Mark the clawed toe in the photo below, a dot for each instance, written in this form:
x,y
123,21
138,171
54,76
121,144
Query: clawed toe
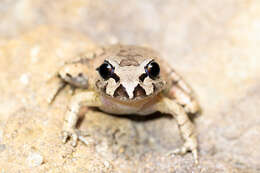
x,y
65,136
184,150
70,134
179,151
74,135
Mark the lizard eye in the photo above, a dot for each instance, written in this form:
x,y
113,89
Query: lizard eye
x,y
106,70
152,69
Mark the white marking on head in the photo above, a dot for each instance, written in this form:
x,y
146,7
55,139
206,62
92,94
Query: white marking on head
x,y
129,79
111,87
147,85
130,87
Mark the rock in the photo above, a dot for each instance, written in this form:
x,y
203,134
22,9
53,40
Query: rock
x,y
215,46
2,147
34,159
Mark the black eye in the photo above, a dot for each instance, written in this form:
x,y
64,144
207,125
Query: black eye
x,y
152,69
106,70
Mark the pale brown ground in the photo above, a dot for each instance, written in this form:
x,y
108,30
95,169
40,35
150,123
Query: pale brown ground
x,y
214,45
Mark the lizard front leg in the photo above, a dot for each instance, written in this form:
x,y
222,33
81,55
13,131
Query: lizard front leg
x,y
55,85
73,74
86,98
186,127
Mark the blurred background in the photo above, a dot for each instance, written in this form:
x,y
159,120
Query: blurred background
x,y
213,44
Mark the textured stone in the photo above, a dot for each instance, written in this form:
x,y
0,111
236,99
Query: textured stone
x,y
34,159
215,45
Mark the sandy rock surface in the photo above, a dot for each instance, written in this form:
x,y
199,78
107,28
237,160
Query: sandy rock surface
x,y
214,45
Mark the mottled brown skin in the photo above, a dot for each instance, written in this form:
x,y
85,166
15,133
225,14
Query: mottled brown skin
x,y
128,91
